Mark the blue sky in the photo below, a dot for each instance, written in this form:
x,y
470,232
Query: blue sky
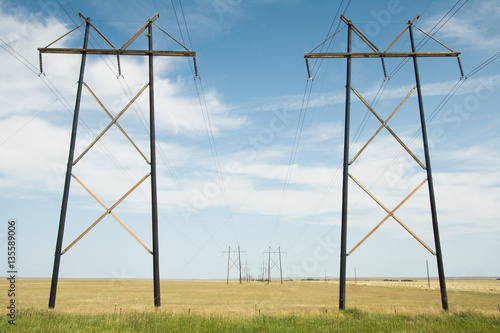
x,y
274,178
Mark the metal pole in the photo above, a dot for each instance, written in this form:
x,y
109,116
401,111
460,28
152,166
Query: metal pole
x,y
442,282
281,271
239,261
428,277
343,240
228,259
69,167
269,267
154,199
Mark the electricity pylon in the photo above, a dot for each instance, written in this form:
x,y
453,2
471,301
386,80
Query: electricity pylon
x,y
376,53
123,51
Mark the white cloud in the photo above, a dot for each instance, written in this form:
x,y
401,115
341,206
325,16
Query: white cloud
x,y
31,158
474,27
35,143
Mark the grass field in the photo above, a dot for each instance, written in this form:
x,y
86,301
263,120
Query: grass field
x,y
91,305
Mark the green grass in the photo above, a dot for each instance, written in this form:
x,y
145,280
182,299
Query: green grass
x,y
110,305
352,320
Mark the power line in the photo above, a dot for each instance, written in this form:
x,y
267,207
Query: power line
x,y
483,65
299,129
293,155
29,122
438,109
162,154
206,119
215,155
19,57
185,24
426,39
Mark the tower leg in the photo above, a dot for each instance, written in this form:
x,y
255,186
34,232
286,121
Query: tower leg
x,y
67,181
154,198
345,182
430,182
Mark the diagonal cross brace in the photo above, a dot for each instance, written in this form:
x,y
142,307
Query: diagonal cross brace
x,y
384,124
381,126
108,211
275,263
234,262
111,213
140,31
414,55
366,40
116,123
401,33
113,121
85,51
391,213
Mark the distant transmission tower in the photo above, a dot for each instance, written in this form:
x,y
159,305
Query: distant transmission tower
x,y
246,272
108,210
233,262
376,53
274,262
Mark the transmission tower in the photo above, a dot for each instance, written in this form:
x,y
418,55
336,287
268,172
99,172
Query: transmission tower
x,y
236,262
376,53
246,272
122,51
274,262
263,270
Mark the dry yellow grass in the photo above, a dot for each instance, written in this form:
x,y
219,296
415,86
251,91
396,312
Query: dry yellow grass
x,y
205,297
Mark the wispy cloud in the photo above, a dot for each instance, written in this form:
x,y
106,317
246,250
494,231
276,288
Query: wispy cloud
x,y
474,27
35,142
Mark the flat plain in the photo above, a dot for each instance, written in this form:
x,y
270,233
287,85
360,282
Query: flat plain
x,y
292,304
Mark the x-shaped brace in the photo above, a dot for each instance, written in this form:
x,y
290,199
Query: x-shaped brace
x,y
116,123
113,122
108,211
390,214
274,263
234,262
384,124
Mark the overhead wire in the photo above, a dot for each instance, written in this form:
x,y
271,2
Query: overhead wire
x,y
293,154
19,57
298,134
426,39
165,160
438,109
483,65
185,24
207,122
215,154
212,235
162,153
27,123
